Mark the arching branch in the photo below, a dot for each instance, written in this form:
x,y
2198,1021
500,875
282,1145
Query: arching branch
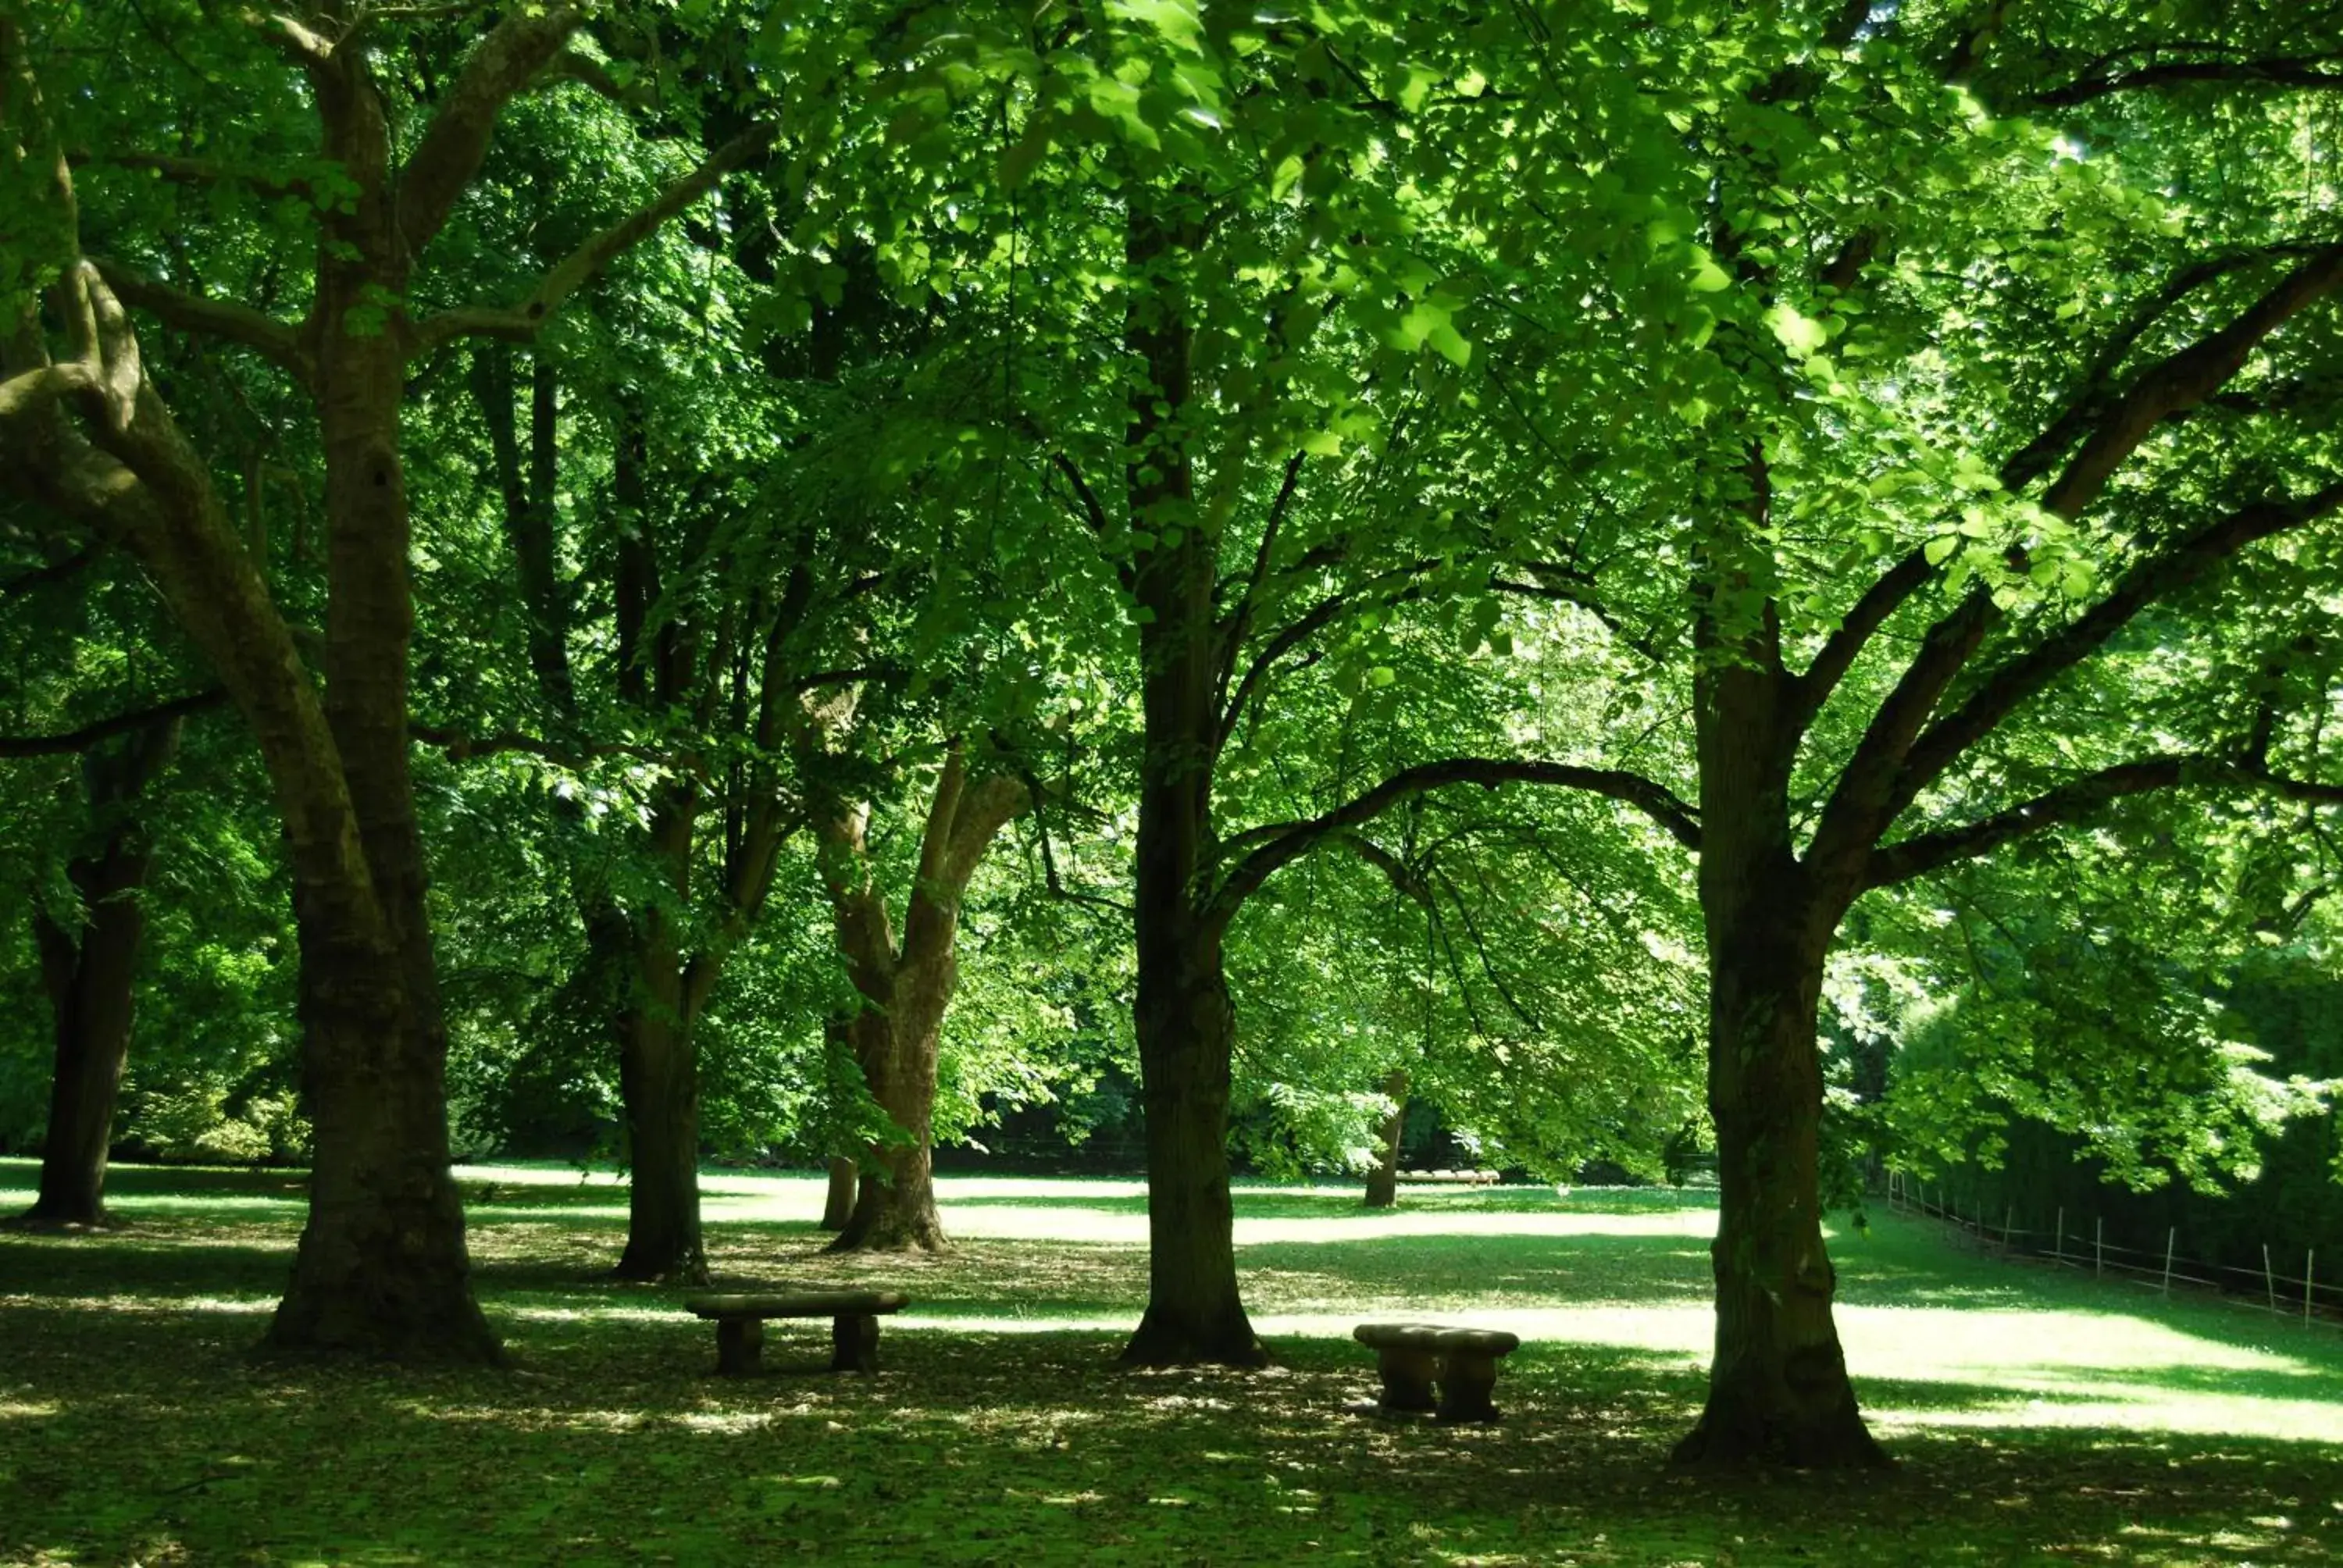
x,y
521,323
1282,843
2077,799
272,339
2157,577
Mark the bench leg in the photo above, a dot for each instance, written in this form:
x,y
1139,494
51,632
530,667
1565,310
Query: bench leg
x,y
1465,1381
739,1345
1407,1378
854,1339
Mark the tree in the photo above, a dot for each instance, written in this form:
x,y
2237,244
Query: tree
x,y
905,982
1931,493
381,1267
89,967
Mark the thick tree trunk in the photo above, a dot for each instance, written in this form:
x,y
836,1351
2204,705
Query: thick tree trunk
x,y
1186,1030
659,1074
381,1270
1779,1389
1185,1020
895,1206
838,1204
1383,1182
661,1087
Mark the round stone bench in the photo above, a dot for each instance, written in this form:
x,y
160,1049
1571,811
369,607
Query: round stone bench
x,y
1412,1357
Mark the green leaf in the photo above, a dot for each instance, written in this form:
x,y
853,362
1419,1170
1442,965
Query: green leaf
x,y
1451,345
1707,278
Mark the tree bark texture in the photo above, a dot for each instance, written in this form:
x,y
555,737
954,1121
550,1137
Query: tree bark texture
x,y
905,987
1779,1389
90,975
381,1268
1185,1022
1383,1182
658,1070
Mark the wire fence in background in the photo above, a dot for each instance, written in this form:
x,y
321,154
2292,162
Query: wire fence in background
x,y
2076,1242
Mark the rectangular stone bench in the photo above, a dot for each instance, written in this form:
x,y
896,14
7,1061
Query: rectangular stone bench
x,y
854,1329
1412,1357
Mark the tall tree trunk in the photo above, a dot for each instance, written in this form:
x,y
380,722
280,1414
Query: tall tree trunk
x,y
1186,1029
90,975
1185,1020
659,1071
1383,1182
1779,1389
381,1267
895,1202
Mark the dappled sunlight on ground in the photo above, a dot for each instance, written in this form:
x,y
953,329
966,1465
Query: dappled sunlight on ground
x,y
2038,1412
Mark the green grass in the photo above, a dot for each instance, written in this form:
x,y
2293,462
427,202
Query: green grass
x,y
2038,1414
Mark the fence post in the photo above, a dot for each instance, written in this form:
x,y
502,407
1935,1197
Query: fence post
x,y
2269,1277
2008,1213
2098,1246
2309,1256
2168,1236
2058,1247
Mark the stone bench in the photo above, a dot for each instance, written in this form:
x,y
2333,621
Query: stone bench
x,y
854,1329
1412,1357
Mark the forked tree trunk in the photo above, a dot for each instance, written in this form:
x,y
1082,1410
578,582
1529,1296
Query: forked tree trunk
x,y
906,992
838,1202
90,975
1779,1389
895,1204
1383,1182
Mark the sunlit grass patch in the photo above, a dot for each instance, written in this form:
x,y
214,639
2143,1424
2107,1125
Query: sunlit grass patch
x,y
2038,1413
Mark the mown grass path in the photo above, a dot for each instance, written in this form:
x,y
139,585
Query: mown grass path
x,y
2039,1415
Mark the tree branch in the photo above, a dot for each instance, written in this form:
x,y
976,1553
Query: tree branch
x,y
56,571
265,334
190,171
457,139
104,730
2288,73
1866,801
574,271
1925,853
2158,577
2033,460
1289,840
1313,621
2186,378
1846,642
1238,626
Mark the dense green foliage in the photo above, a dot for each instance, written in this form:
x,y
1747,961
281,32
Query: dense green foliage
x,y
1675,579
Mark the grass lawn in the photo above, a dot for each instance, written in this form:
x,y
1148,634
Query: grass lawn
x,y
2038,1414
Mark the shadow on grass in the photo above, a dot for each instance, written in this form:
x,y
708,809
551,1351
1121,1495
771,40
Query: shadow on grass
x,y
611,1444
